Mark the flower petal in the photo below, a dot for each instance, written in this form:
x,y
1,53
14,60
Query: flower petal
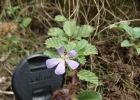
x,y
50,63
60,69
73,64
71,53
61,51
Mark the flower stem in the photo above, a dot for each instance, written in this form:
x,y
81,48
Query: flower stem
x,y
74,80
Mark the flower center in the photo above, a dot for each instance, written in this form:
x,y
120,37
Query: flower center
x,y
64,58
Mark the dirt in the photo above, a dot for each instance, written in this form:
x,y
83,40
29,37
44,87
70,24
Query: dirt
x,y
122,75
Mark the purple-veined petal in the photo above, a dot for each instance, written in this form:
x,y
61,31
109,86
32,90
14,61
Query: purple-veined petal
x,y
61,51
73,64
50,63
60,69
71,53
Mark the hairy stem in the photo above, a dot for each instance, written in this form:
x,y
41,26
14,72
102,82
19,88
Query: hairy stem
x,y
74,80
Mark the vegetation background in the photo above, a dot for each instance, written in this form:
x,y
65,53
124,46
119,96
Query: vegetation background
x,y
118,68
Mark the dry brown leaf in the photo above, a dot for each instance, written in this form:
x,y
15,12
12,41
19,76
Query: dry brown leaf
x,y
6,27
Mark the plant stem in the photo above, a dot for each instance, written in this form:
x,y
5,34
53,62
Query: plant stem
x,y
74,72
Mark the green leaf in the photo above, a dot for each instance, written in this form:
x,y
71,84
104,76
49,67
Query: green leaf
x,y
15,38
89,95
75,34
25,22
12,10
80,53
124,23
85,30
64,39
78,38
3,47
82,60
133,32
136,32
69,27
69,72
16,8
126,43
60,18
138,45
120,26
88,76
90,49
81,45
138,50
52,54
54,42
55,32
129,30
9,13
70,46
114,26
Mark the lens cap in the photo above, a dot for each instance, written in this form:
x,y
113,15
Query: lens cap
x,y
32,80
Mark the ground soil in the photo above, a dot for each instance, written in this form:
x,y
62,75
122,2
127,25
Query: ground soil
x,y
122,74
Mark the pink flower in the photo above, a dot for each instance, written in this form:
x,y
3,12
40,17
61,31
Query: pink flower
x,y
60,62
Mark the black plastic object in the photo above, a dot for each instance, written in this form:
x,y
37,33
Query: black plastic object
x,y
33,81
